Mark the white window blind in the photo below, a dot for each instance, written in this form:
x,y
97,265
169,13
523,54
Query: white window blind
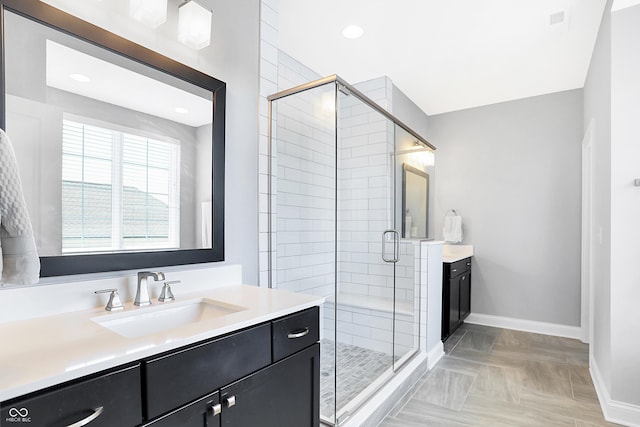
x,y
120,190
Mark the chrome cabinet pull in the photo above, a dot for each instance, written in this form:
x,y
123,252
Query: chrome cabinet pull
x,y
229,401
298,333
216,409
96,413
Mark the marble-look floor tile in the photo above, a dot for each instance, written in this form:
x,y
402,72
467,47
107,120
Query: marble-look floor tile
x,y
577,409
578,357
581,383
487,358
480,328
477,341
427,412
580,423
498,383
453,340
533,353
549,378
499,413
445,388
517,379
462,366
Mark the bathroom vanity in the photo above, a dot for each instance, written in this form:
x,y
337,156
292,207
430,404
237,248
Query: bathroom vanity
x,y
456,287
256,366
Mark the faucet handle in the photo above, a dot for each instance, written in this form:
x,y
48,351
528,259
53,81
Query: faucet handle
x,y
114,303
166,294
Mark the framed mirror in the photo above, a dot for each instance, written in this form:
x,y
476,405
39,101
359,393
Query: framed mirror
x,y
415,203
120,149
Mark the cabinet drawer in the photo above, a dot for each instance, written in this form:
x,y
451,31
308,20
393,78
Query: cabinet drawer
x,y
196,414
295,332
111,399
459,267
174,379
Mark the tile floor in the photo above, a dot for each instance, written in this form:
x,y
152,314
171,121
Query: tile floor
x,y
500,377
357,368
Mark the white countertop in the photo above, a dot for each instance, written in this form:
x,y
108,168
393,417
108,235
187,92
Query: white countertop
x,y
41,352
453,253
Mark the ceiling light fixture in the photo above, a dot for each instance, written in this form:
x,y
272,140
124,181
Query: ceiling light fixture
x,y
352,32
79,78
182,110
150,12
194,25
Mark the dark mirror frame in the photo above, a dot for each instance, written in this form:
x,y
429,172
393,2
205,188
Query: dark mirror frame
x,y
407,169
80,264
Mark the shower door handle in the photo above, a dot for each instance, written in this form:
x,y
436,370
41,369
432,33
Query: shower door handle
x,y
396,246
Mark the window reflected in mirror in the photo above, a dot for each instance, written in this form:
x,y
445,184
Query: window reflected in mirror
x,y
115,144
118,143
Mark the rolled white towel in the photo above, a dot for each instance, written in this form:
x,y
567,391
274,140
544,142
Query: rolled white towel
x,y
452,230
20,263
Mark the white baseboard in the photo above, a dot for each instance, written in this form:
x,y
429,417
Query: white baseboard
x,y
434,355
614,411
525,325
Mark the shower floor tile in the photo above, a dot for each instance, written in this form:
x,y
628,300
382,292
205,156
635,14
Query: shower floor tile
x,y
357,368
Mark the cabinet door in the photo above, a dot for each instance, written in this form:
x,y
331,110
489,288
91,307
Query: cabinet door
x,y
285,394
204,412
454,303
465,295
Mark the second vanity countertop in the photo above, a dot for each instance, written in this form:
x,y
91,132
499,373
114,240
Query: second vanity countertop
x,y
453,253
42,352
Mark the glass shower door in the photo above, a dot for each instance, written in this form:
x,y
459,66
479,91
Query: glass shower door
x,y
367,248
336,230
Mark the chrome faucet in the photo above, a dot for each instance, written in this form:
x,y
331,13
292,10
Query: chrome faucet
x,y
142,294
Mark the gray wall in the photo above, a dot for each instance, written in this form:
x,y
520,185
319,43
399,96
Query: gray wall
x,y
408,112
513,171
597,107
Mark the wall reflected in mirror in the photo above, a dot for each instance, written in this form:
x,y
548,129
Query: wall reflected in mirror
x,y
115,156
415,169
415,203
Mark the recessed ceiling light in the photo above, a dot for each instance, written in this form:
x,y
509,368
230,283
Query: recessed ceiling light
x,y
80,78
352,31
182,110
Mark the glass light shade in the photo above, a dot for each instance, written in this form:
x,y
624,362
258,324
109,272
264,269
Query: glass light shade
x,y
150,12
194,25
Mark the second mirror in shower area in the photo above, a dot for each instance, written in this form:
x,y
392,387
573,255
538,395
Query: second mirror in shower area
x,y
337,219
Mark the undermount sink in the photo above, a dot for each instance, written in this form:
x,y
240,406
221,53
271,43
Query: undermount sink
x,y
157,318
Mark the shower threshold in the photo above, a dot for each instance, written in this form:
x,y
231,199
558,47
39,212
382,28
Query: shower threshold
x,y
360,385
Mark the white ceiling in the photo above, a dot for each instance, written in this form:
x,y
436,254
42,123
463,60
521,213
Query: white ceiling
x,y
447,55
116,85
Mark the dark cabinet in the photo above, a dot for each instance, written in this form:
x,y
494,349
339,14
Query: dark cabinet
x,y
282,395
456,295
267,375
246,388
203,412
104,400
181,376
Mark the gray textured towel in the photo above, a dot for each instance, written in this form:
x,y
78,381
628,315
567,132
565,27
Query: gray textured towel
x,y
19,262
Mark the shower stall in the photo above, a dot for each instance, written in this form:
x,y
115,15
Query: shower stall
x,y
339,228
